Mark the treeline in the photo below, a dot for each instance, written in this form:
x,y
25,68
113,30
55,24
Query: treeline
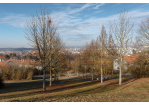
x,y
99,54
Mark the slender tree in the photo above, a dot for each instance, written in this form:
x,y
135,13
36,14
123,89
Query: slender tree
x,y
85,59
102,42
92,56
121,30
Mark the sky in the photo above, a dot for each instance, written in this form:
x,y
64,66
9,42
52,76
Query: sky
x,y
78,23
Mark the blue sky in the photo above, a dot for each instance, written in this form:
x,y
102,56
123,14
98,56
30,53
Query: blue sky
x,y
78,23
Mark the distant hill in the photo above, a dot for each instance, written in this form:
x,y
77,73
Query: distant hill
x,y
15,49
74,46
24,49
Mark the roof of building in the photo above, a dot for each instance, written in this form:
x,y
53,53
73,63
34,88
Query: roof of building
x,y
21,62
2,57
3,63
131,58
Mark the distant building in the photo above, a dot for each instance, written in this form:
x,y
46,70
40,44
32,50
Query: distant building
x,y
116,64
22,63
75,49
127,61
2,58
128,51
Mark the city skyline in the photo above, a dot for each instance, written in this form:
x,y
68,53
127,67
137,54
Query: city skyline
x,y
78,23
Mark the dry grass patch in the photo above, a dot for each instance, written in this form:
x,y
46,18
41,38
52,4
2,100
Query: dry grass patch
x,y
89,91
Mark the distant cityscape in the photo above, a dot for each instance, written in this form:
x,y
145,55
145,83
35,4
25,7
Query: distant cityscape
x,y
26,51
72,49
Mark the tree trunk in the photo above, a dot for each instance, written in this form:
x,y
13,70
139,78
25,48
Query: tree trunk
x,y
83,75
101,75
57,77
85,72
50,84
54,78
92,76
59,74
120,73
44,87
101,69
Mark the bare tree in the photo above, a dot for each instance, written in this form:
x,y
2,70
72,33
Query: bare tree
x,y
92,56
121,29
85,59
143,38
41,33
102,42
111,50
56,57
144,30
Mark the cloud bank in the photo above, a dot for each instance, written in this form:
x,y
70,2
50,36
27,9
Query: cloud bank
x,y
73,28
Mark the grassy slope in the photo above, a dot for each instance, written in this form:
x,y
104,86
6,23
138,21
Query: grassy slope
x,y
130,90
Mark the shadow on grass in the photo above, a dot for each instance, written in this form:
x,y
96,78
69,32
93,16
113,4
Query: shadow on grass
x,y
99,89
55,88
8,89
128,81
108,87
14,87
1,83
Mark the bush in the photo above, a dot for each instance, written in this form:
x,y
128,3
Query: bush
x,y
140,69
38,72
16,73
29,75
13,74
1,82
30,72
19,75
6,73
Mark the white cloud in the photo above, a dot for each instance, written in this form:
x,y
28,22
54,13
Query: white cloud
x,y
80,9
99,5
75,28
16,20
82,30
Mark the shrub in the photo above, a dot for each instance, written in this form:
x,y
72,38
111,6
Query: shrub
x,y
19,74
1,82
13,74
38,72
6,72
140,69
29,74
24,73
16,73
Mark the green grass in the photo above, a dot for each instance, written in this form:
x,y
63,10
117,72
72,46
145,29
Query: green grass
x,y
131,90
